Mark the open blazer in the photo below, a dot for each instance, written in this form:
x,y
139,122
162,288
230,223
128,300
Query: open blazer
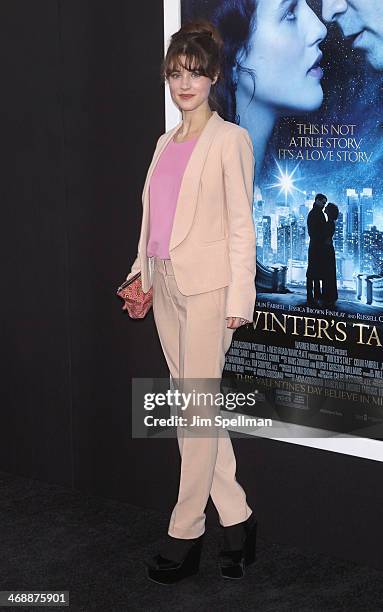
x,y
212,243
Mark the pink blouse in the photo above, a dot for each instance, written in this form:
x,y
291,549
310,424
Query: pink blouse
x,y
164,188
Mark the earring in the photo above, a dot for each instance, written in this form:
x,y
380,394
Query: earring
x,y
235,76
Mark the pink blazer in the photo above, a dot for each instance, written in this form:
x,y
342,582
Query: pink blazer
x,y
212,243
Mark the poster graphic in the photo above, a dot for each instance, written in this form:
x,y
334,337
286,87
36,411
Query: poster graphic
x,y
306,82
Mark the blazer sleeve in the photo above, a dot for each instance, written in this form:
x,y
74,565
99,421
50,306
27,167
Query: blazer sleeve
x,y
238,170
136,265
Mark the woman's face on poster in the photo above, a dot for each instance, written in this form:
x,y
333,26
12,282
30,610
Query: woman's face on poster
x,y
284,54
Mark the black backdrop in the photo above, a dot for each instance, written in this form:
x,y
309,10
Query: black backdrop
x,y
81,108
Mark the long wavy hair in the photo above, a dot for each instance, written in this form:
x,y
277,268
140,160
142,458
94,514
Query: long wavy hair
x,y
235,20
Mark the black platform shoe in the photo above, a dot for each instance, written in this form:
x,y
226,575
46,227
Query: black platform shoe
x,y
232,562
167,571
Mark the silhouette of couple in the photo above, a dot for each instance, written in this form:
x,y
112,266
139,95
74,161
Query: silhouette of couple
x,y
321,269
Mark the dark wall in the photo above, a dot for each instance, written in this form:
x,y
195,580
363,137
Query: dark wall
x,y
81,109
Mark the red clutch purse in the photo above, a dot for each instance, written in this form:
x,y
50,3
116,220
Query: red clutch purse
x,y
136,302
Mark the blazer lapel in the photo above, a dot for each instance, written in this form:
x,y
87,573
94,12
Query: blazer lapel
x,y
188,194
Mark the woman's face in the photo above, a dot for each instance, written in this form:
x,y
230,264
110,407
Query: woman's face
x,y
188,89
284,53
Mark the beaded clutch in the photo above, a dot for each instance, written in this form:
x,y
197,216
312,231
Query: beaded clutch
x,y
136,302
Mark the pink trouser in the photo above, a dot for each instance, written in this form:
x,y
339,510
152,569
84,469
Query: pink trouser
x,y
194,338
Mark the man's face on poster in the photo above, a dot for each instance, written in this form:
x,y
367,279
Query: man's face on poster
x,y
320,203
362,22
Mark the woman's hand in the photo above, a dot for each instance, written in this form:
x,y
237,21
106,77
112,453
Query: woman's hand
x,y
234,322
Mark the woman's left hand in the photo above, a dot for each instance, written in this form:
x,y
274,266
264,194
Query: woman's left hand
x,y
235,322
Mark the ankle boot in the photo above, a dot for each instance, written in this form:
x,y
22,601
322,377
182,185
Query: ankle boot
x,y
168,571
232,561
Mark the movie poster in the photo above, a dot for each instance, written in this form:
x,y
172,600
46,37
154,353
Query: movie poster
x,y
305,79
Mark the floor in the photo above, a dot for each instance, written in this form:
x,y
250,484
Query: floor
x,y
55,538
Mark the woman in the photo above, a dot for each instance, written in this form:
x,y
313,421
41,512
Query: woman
x,y
197,251
272,56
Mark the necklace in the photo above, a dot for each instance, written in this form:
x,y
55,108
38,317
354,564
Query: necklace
x,y
181,141
199,133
